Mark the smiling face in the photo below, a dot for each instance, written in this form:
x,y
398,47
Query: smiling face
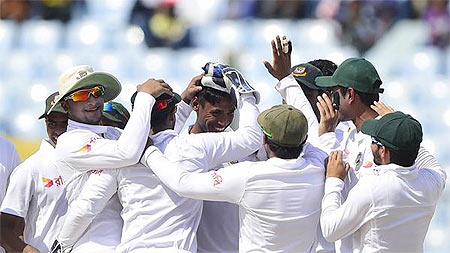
x,y
88,112
217,117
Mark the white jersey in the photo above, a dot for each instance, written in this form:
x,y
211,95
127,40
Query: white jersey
x,y
276,197
35,187
150,210
9,159
388,210
89,149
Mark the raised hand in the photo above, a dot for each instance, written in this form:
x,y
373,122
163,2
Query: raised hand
x,y
329,117
336,167
381,108
155,87
281,63
192,89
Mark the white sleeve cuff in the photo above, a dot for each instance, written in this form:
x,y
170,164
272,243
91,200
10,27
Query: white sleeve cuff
x,y
333,184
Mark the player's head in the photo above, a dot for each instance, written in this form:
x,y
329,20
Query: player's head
x,y
82,93
215,103
358,84
56,120
396,138
305,75
326,66
285,131
163,111
115,115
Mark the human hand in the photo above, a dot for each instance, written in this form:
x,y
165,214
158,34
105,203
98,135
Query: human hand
x,y
192,89
329,117
30,249
381,108
336,167
281,63
155,87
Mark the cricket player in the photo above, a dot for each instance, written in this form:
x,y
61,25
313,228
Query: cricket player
x,y
89,148
390,208
177,234
9,159
35,187
151,213
279,199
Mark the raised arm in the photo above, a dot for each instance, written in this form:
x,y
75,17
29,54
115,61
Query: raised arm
x,y
84,150
183,108
226,184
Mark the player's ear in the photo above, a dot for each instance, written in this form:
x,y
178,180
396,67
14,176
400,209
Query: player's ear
x,y
195,104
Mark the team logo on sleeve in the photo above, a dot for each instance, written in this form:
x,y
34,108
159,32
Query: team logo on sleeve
x,y
88,147
48,183
217,179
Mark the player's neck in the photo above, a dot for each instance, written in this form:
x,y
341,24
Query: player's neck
x,y
363,116
196,129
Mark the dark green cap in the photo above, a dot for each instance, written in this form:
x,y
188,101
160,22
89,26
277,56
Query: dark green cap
x,y
356,73
397,131
306,74
116,112
49,102
284,125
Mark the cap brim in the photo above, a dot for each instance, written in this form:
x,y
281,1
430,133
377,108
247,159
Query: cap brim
x,y
325,82
370,127
110,83
306,83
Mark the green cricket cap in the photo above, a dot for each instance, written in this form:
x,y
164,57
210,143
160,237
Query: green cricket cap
x,y
306,74
49,102
397,131
284,125
356,73
116,112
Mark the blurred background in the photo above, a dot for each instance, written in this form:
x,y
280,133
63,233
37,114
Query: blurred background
x,y
406,40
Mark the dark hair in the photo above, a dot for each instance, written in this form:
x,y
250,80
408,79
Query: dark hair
x,y
366,98
212,96
284,152
327,67
158,118
403,158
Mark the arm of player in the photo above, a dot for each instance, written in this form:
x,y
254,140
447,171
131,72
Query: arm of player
x,y
425,160
84,150
293,94
182,114
15,207
98,189
226,184
231,146
338,221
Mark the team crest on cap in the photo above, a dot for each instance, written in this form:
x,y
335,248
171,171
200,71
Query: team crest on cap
x,y
300,71
81,74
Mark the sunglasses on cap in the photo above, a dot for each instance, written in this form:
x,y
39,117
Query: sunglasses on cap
x,y
83,95
376,142
161,105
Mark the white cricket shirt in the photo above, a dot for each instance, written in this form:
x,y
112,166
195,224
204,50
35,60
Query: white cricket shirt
x,y
35,187
9,159
388,210
276,197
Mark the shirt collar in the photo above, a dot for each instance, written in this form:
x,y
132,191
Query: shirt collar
x,y
72,125
47,145
163,135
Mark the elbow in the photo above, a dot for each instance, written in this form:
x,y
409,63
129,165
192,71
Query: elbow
x,y
328,232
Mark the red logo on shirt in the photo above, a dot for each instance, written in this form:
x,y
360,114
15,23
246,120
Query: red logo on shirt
x,y
217,178
88,147
58,181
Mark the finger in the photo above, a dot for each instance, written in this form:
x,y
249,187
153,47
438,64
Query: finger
x,y
339,156
269,67
167,91
279,46
347,167
274,49
333,155
329,103
321,110
324,106
290,48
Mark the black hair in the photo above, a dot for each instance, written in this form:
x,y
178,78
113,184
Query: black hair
x,y
212,96
366,98
284,152
158,117
326,66
403,158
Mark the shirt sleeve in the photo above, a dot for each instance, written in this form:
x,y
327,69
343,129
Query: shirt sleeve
x,y
233,146
293,94
20,190
98,189
183,112
340,220
425,160
83,150
226,184
328,142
